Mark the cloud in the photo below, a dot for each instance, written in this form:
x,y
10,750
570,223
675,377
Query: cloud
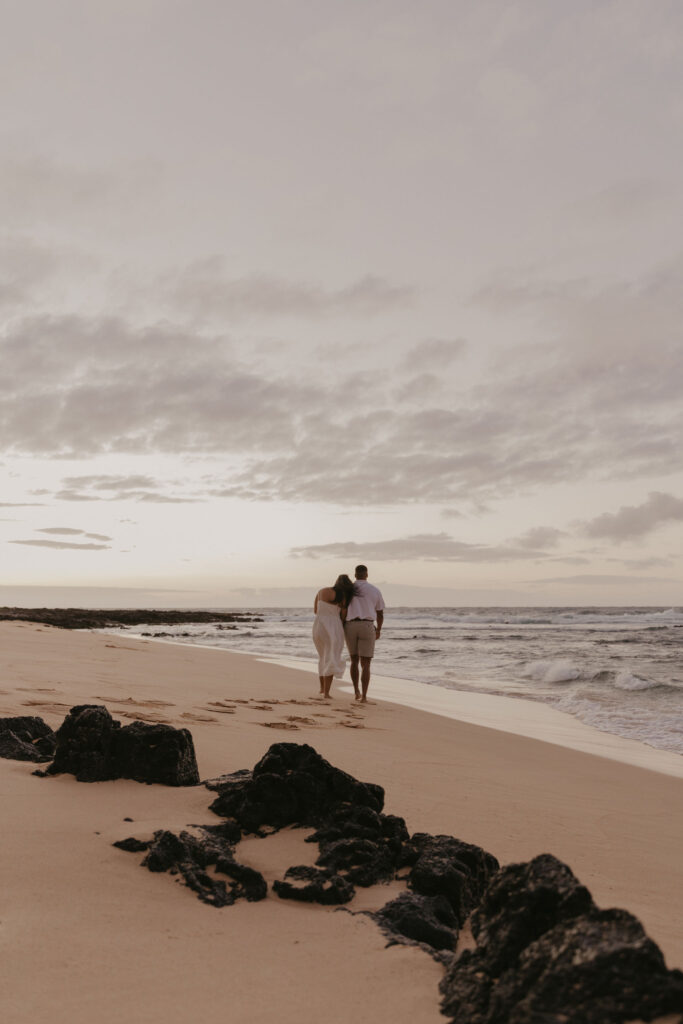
x,y
37,189
110,487
599,399
62,544
642,563
22,504
594,579
70,531
205,290
434,353
429,547
540,537
24,266
634,521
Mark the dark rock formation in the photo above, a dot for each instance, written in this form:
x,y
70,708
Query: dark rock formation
x,y
150,752
318,886
364,846
426,920
291,785
522,902
26,738
91,745
90,618
444,866
545,953
189,856
133,845
85,742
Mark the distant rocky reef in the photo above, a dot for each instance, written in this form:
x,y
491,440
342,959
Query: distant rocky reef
x,y
92,618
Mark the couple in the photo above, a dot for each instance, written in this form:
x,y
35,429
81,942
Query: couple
x,y
347,611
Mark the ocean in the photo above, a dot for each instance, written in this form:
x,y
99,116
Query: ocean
x,y
617,669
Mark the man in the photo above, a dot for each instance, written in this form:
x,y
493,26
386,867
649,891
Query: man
x,y
360,630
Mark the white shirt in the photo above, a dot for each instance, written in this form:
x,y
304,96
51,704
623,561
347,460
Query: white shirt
x,y
365,602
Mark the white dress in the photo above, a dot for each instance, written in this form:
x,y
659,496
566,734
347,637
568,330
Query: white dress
x,y
328,637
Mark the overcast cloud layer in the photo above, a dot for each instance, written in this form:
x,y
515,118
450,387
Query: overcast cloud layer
x,y
342,277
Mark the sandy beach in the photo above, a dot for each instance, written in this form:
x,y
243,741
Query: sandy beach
x,y
86,933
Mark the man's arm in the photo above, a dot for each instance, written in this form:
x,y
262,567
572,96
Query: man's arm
x,y
380,620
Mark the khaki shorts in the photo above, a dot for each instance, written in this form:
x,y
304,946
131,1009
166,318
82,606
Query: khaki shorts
x,y
360,637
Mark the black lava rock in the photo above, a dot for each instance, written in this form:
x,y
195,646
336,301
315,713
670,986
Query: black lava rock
x,y
26,738
89,618
546,954
363,845
318,886
361,861
444,866
158,753
291,785
85,742
521,903
91,745
189,856
425,920
132,845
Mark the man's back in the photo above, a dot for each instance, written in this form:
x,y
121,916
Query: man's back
x,y
366,602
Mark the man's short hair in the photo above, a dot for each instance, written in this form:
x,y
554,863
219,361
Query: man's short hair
x,y
361,570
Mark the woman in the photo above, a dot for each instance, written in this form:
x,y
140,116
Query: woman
x,y
328,632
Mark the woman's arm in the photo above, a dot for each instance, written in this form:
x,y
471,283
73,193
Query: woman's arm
x,y
315,604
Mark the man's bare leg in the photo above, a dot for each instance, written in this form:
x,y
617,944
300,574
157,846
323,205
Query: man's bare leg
x,y
355,675
365,677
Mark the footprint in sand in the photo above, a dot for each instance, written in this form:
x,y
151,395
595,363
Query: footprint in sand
x,y
262,707
46,705
192,717
352,725
122,647
219,710
141,716
279,725
137,703
37,689
299,718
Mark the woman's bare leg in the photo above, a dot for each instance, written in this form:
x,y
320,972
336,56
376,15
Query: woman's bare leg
x,y
327,684
322,684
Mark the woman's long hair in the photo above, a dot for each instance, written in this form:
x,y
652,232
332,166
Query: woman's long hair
x,y
344,589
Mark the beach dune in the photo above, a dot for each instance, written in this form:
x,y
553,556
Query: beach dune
x,y
87,934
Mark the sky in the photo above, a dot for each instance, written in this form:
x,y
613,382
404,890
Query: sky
x,y
286,287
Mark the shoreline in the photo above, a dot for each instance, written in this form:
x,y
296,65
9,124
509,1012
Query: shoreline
x,y
111,937
519,715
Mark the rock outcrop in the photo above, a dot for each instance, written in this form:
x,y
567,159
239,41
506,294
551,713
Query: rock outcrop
x,y
361,844
26,738
546,953
190,855
291,785
90,618
94,747
448,867
428,921
313,885
448,879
